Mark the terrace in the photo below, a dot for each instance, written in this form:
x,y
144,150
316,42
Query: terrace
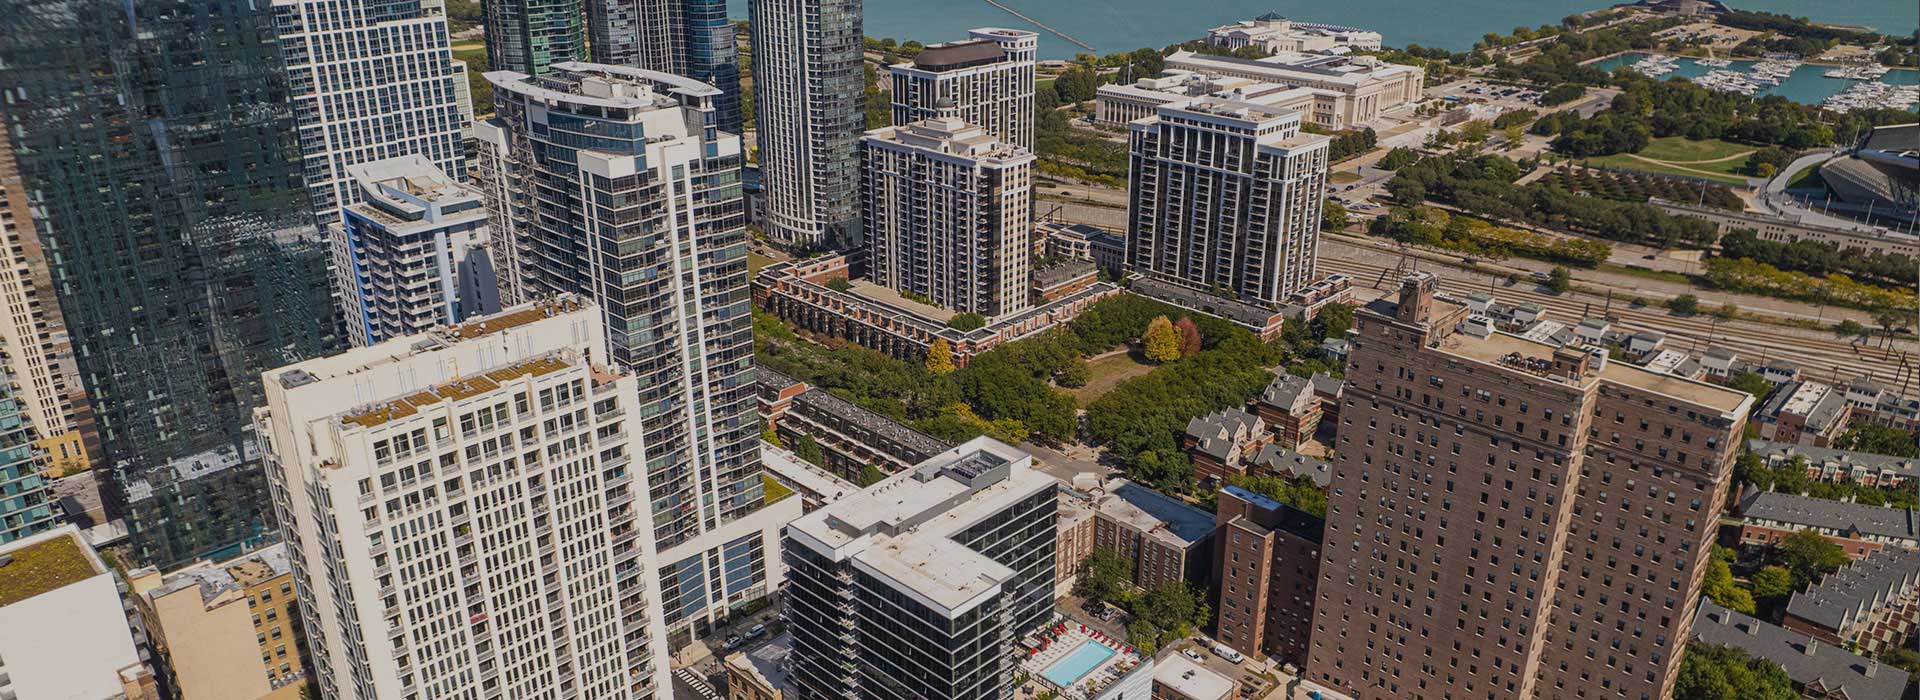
x,y
1077,661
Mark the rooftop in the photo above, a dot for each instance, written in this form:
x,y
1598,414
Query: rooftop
x,y
1845,595
768,661
1063,272
901,530
1160,516
959,54
44,565
1275,515
216,578
1806,661
1191,680
1839,516
826,402
381,413
1278,460
1785,451
602,85
1516,352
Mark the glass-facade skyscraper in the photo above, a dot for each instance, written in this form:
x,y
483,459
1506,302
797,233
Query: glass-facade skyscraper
x,y
26,504
157,145
808,88
526,36
688,38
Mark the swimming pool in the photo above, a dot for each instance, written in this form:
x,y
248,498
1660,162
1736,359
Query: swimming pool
x,y
1075,666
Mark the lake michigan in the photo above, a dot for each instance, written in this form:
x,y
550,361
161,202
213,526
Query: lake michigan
x,y
1123,25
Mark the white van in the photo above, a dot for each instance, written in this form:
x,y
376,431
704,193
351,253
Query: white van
x,y
1227,652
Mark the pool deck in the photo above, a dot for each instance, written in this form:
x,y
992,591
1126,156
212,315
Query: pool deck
x,y
1070,643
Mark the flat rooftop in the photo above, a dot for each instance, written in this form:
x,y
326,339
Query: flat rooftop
x,y
1191,680
901,529
1496,347
863,288
1161,516
43,566
381,413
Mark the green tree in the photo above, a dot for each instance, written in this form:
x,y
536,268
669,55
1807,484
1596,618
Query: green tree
x,y
879,112
940,357
1727,312
1144,636
809,449
1772,584
1750,383
770,436
1715,672
1684,305
1161,340
1104,577
839,284
967,322
1559,280
1809,556
870,475
1299,492
1879,439
1333,216
1334,320
1849,328
1901,657
1076,85
1075,375
1719,586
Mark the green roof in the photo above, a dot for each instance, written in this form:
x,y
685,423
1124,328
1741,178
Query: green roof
x,y
42,567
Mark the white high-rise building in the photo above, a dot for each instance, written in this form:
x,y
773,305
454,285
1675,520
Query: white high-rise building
x,y
985,80
370,81
807,92
612,183
412,255
1225,198
466,513
949,215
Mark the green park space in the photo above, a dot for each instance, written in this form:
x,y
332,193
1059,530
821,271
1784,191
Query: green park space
x,y
1106,373
1713,159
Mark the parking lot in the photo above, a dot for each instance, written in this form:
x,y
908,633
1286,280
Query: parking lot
x,y
1506,97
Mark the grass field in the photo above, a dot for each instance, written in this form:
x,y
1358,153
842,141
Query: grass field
x,y
469,52
755,261
1108,372
1673,155
1341,177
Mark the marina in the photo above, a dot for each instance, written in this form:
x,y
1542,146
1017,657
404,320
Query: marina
x,y
1841,88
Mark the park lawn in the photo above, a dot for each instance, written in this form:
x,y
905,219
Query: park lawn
x,y
1717,172
756,261
1341,177
1108,372
1678,149
470,52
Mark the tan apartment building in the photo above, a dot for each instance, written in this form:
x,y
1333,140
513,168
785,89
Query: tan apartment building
x,y
33,335
1510,519
1269,565
212,620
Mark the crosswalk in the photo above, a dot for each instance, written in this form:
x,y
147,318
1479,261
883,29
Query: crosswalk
x,y
693,681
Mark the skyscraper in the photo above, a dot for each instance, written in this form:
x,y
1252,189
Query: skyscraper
x,y
26,503
613,183
158,149
465,513
922,585
526,36
371,80
1511,519
985,80
33,333
1225,197
948,214
807,93
690,38
412,255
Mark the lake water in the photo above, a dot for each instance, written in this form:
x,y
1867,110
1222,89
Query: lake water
x,y
1123,25
1807,85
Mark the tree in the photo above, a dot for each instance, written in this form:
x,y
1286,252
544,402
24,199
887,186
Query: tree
x,y
1333,216
1715,672
1075,375
1189,337
1879,439
1076,85
940,357
1299,492
1727,312
809,449
1559,280
1809,556
1901,657
1772,584
839,284
1334,320
1849,328
967,322
1161,340
1750,383
1103,577
870,475
1684,305
1718,583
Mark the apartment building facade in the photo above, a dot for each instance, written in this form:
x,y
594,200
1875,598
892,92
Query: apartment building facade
x,y
1268,556
527,36
466,510
807,90
948,216
370,81
986,80
1224,198
654,232
227,630
689,38
920,585
33,334
413,254
1482,482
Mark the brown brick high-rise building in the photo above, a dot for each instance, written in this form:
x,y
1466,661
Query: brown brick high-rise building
x,y
1269,562
1512,520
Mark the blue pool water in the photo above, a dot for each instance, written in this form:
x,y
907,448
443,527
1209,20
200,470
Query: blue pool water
x,y
1072,667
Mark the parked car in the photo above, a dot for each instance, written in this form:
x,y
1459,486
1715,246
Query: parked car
x,y
1227,652
1194,655
757,632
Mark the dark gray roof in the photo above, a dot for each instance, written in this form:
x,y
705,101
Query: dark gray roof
x,y
1894,138
771,379
1207,430
1278,516
1806,661
1239,312
1285,390
1277,459
1324,383
1833,515
922,444
1720,353
1784,451
1062,272
1843,596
